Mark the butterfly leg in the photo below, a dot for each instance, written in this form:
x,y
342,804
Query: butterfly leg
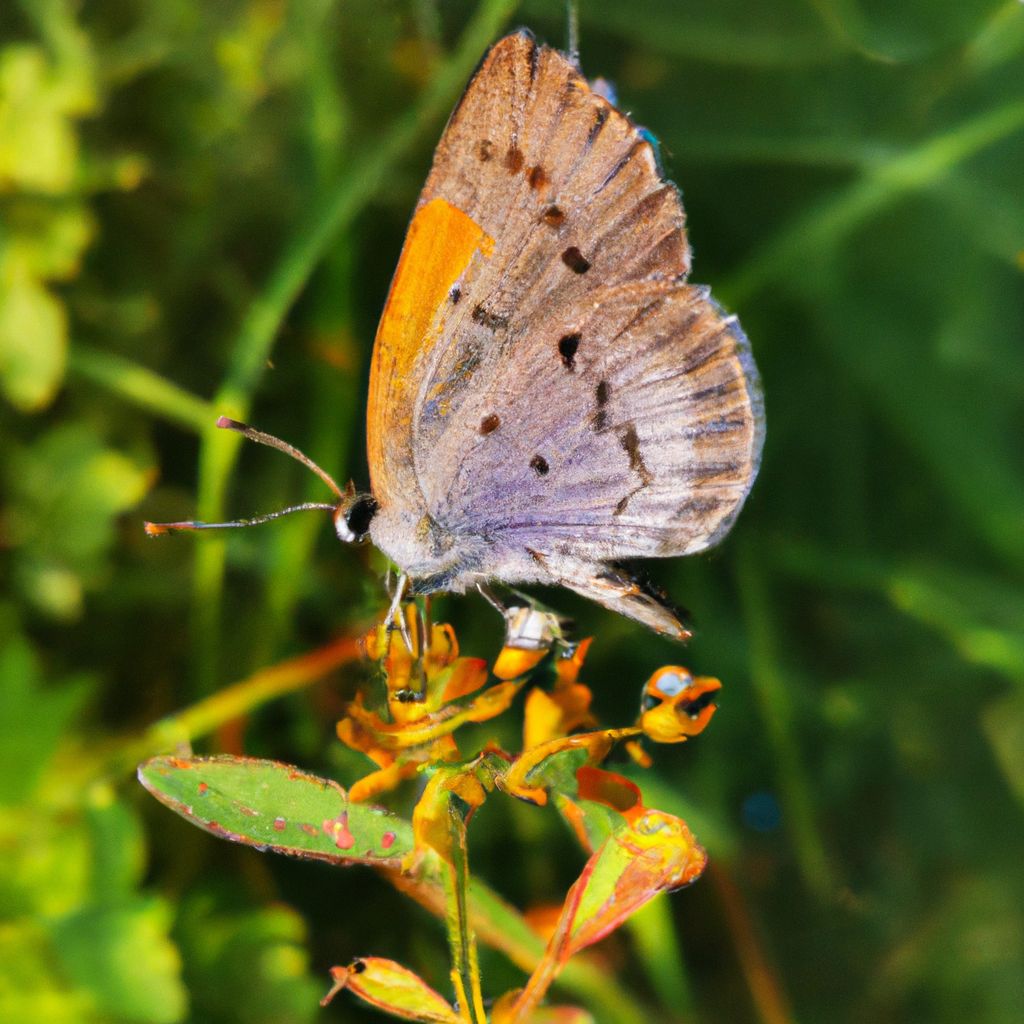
x,y
492,599
394,612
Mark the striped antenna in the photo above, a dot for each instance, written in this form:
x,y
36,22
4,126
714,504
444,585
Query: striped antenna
x,y
185,525
282,446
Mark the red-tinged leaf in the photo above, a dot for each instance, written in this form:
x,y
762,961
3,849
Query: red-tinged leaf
x,y
561,1015
273,806
504,1012
654,853
392,988
651,853
553,765
602,803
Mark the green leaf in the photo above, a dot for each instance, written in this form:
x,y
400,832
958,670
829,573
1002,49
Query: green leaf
x,y
394,989
33,342
652,854
38,147
245,966
66,490
273,806
1003,725
32,717
30,989
124,959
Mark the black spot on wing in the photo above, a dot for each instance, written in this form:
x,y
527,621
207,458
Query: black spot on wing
x,y
600,416
567,346
455,294
575,260
630,442
539,465
553,216
485,150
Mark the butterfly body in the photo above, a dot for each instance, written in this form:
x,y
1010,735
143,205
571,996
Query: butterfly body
x,y
548,395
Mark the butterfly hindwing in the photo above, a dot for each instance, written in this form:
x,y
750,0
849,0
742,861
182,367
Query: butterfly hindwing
x,y
643,444
614,408
564,395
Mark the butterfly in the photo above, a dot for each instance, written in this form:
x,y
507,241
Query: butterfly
x,y
548,395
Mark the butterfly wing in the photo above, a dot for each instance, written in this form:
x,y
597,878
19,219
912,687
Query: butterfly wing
x,y
573,401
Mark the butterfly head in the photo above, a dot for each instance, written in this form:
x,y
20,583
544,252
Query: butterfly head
x,y
353,515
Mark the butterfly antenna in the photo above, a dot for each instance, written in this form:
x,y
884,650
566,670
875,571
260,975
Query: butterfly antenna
x,y
160,529
572,32
252,434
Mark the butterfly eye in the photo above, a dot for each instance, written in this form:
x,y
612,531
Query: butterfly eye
x,y
352,519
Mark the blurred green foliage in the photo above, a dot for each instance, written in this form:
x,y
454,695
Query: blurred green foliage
x,y
200,208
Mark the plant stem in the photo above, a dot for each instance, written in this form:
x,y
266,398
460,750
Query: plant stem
x,y
502,927
329,216
882,185
772,692
659,950
766,991
234,701
139,386
461,938
552,961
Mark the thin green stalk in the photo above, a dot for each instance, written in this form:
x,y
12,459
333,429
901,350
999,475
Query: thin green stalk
x,y
978,616
141,387
881,186
461,938
362,180
502,927
242,698
331,383
767,992
772,692
659,951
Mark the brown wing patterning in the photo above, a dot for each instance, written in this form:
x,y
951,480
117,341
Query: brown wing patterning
x,y
565,398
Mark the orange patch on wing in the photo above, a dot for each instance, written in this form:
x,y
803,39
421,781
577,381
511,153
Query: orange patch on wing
x,y
441,242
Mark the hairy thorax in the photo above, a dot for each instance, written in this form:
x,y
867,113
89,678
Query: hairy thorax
x,y
434,559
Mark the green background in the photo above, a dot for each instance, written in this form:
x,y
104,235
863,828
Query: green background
x,y
200,208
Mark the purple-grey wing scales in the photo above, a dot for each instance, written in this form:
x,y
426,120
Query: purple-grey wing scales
x,y
584,404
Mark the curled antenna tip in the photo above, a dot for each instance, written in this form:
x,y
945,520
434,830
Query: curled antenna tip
x,y
162,529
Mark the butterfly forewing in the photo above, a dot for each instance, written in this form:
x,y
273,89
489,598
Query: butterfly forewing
x,y
569,394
